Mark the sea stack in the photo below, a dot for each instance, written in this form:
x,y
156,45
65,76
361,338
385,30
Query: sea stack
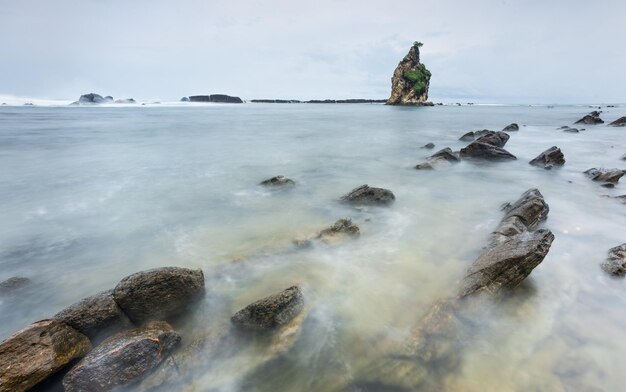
x,y
410,80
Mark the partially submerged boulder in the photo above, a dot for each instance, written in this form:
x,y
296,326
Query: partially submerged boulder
x,y
341,228
591,118
278,181
616,261
367,195
571,130
96,317
429,146
13,284
122,359
159,294
511,128
483,151
620,122
607,176
38,351
551,157
443,156
472,135
270,312
497,139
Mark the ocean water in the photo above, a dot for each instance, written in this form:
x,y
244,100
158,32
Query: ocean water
x,y
89,195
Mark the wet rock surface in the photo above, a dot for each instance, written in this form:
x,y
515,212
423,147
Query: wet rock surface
x,y
511,128
122,359
278,181
270,312
607,176
591,118
96,316
616,261
159,294
429,146
367,195
620,122
38,351
13,284
341,228
483,151
497,139
472,135
549,158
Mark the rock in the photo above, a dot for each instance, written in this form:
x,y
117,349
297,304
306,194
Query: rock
x,y
270,312
122,359
620,122
341,228
13,284
96,317
410,80
571,130
468,137
184,99
507,264
424,166
365,195
446,154
610,176
549,158
93,98
126,101
479,150
497,139
531,208
591,118
215,98
158,294
278,181
37,352
511,128
616,261
429,146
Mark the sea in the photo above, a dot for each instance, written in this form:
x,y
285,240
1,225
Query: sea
x,y
89,195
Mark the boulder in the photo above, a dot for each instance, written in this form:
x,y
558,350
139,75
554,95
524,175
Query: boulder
x,y
497,139
551,157
610,176
468,137
38,351
340,229
270,312
184,99
445,154
511,128
126,101
215,98
591,118
122,359
278,181
424,166
96,317
92,99
620,122
367,195
410,80
571,130
616,261
531,208
484,151
158,294
13,284
429,146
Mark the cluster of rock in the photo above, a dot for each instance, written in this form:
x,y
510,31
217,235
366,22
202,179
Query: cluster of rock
x,y
95,99
213,98
591,118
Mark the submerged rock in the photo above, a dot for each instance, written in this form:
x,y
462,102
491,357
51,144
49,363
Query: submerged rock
x,y
591,118
609,176
38,351
367,195
158,294
511,128
96,317
126,100
424,166
278,181
13,284
122,359
429,146
410,80
445,154
551,157
620,122
484,151
571,130
616,261
472,135
270,312
342,228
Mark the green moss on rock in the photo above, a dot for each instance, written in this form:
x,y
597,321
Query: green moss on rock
x,y
420,76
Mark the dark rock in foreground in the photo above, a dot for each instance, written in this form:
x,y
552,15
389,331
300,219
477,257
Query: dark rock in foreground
x,y
531,208
215,98
616,261
511,128
12,284
38,351
97,316
278,181
484,151
591,118
620,122
122,359
367,195
159,294
551,157
270,312
610,176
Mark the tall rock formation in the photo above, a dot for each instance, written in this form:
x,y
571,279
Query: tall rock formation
x,y
409,84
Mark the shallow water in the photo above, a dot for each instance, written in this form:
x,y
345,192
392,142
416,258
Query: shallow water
x,y
90,195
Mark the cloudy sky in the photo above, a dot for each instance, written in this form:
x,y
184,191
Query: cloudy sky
x,y
523,51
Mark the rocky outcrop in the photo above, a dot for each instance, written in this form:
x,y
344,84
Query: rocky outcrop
x,y
270,312
13,284
126,101
511,128
591,118
278,181
367,195
122,359
159,294
96,317
215,98
410,80
606,176
484,151
616,261
37,352
620,122
93,99
551,157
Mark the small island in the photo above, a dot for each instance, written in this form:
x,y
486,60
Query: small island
x,y
410,80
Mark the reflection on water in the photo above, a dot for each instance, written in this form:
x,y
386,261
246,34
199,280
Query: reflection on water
x,y
89,195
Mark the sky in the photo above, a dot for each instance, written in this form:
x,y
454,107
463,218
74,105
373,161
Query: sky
x,y
548,51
